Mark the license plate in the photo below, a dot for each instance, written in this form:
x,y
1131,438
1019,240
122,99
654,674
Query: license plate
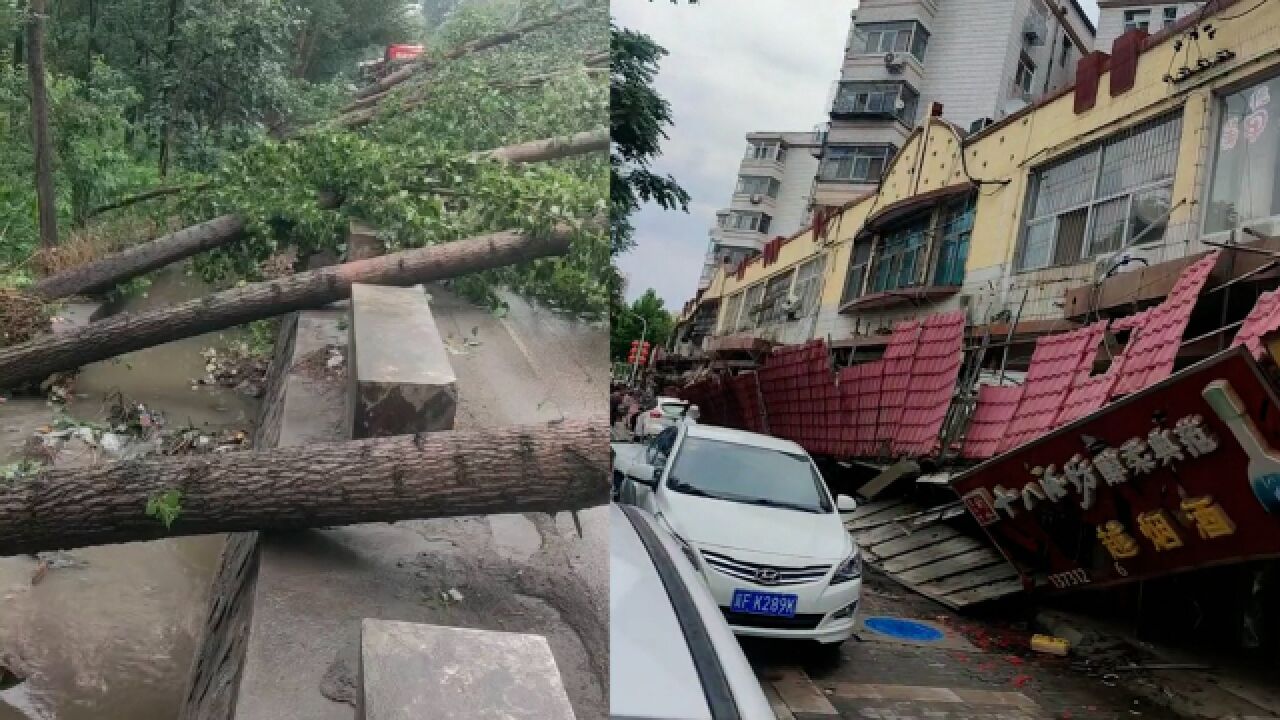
x,y
764,603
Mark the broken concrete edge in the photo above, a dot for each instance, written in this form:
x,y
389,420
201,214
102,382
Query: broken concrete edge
x,y
1090,638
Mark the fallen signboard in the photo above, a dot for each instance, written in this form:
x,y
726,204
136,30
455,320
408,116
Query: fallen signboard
x,y
1178,476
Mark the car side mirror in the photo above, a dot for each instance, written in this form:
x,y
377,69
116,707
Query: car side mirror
x,y
648,475
845,505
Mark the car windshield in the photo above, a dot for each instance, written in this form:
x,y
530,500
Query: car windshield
x,y
746,474
672,409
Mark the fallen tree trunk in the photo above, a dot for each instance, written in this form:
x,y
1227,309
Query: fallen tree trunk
x,y
443,474
109,271
105,273
36,359
398,76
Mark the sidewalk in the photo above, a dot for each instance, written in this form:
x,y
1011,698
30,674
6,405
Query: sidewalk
x,y
1205,691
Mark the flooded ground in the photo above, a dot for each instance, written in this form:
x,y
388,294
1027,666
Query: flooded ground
x,y
108,633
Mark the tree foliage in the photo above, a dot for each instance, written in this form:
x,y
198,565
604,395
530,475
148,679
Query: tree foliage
x,y
232,71
627,325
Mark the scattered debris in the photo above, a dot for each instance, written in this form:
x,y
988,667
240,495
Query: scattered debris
x,y
326,364
1165,666
455,595
13,670
1050,645
237,367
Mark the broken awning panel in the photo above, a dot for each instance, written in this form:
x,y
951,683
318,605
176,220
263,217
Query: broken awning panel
x,y
991,415
897,360
1262,319
1155,483
860,393
1058,363
935,366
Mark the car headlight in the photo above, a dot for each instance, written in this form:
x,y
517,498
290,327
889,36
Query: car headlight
x,y
850,569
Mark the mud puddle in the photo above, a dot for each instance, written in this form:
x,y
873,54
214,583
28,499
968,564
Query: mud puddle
x,y
108,633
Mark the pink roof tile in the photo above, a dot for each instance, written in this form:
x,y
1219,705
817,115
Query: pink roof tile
x,y
992,412
1157,332
898,357
1087,396
1058,362
934,368
1262,319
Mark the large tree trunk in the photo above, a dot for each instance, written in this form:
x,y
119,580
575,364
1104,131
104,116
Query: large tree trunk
x,y
484,43
549,468
47,201
113,269
120,334
105,273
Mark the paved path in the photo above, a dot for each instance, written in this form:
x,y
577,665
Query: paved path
x,y
978,670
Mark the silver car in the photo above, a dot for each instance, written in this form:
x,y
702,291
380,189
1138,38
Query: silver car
x,y
671,654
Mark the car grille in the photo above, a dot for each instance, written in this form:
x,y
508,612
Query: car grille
x,y
807,621
773,574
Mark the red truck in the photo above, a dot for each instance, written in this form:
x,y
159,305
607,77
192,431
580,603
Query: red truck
x,y
395,55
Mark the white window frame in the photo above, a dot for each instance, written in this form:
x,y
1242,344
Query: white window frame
x,y
807,282
1168,20
748,221
747,185
878,98
1025,74
1139,19
887,38
764,150
1206,193
865,155
732,308
747,320
1094,200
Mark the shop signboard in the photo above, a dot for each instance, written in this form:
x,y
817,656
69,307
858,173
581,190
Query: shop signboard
x,y
1181,475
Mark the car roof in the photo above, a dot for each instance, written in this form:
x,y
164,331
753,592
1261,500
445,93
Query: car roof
x,y
647,648
742,437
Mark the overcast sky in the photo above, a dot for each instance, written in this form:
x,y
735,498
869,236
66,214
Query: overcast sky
x,y
735,66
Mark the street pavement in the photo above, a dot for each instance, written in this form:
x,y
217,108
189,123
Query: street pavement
x,y
980,668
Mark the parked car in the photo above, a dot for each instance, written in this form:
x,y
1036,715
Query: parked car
x,y
671,655
666,411
754,516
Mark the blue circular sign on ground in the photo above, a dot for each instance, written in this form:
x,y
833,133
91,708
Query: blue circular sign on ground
x,y
904,629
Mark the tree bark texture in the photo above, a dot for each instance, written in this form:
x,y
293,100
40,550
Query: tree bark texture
x,y
105,273
398,76
551,148
547,468
124,333
43,142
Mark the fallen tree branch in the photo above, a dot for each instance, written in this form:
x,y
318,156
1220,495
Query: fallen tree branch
x,y
550,148
442,474
398,76
105,273
119,334
143,197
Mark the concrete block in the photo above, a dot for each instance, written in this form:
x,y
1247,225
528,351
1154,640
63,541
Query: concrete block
x,y
363,242
400,377
410,671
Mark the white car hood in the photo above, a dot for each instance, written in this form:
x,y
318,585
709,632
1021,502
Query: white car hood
x,y
761,530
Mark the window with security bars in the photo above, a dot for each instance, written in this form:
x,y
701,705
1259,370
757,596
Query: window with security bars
x,y
808,279
891,99
855,163
1111,195
776,290
729,319
895,37
751,307
758,185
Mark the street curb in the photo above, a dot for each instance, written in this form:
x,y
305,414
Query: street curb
x,y
1191,695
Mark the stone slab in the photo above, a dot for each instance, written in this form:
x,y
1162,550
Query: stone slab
x,y
400,377
412,670
363,242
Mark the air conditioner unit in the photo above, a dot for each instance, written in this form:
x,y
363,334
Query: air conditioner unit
x,y
1034,29
892,63
791,305
757,199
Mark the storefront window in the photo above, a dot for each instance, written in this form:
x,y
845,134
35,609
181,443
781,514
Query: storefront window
x,y
1243,187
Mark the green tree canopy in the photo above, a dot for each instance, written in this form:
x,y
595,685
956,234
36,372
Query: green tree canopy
x,y
627,325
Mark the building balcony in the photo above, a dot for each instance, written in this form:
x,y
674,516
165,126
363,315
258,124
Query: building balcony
x,y
904,276
734,238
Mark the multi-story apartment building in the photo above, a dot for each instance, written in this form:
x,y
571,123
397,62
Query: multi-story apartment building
x,y
981,59
770,197
1117,16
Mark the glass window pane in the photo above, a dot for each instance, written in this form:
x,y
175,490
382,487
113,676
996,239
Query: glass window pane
x,y
1149,215
1109,220
1038,242
919,43
873,42
1243,186
1145,154
1070,239
903,42
1065,184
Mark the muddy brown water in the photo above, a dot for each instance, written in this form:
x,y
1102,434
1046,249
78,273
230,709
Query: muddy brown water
x,y
111,635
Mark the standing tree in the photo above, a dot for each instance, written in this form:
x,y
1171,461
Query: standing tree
x,y
626,325
46,201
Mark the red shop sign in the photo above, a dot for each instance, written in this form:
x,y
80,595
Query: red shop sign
x,y
1181,475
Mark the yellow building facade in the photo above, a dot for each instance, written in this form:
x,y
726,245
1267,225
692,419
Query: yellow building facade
x,y
1179,144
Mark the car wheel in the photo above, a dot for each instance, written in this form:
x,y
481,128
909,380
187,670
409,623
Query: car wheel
x,y
826,654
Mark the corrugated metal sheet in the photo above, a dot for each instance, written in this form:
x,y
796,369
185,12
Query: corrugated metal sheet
x,y
1157,333
800,395
932,382
1262,319
1087,396
991,415
860,393
745,391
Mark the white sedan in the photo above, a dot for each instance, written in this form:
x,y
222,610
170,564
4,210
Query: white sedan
x,y
667,411
753,515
